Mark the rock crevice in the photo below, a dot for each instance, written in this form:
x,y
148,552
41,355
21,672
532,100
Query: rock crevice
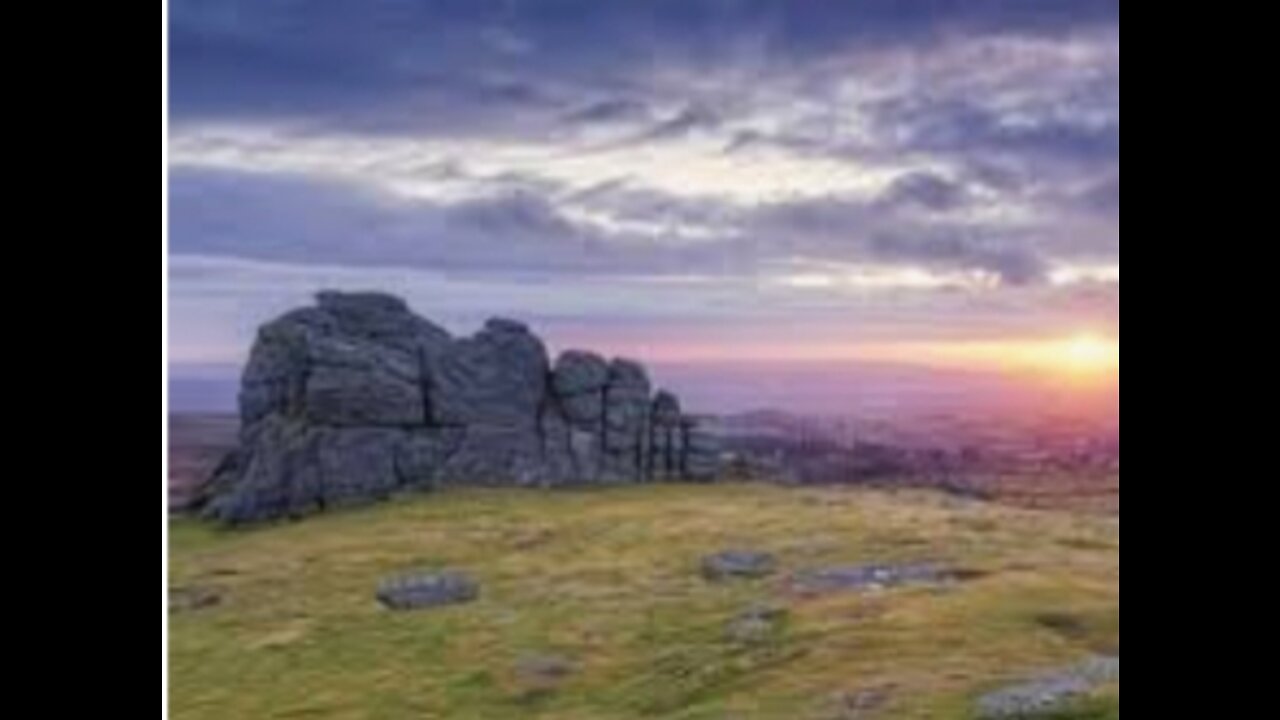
x,y
357,398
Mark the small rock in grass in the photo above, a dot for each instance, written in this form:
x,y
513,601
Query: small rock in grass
x,y
738,564
428,590
544,672
756,625
192,599
870,578
1051,693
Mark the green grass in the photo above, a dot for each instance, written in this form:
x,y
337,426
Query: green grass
x,y
608,579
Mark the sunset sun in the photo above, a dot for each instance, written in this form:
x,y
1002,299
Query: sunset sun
x,y
1089,355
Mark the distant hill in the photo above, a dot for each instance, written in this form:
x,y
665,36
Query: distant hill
x,y
816,388
197,443
203,389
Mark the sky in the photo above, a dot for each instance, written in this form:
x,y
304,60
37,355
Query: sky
x,y
692,182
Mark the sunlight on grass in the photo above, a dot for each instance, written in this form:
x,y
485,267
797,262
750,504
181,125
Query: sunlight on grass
x,y
609,580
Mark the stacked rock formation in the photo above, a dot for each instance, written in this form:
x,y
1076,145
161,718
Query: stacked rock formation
x,y
358,398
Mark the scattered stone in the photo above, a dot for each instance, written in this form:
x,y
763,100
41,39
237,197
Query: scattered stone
x,y
756,625
193,599
1101,670
1051,693
542,673
419,592
738,565
870,578
861,705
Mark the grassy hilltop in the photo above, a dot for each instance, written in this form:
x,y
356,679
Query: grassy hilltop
x,y
281,622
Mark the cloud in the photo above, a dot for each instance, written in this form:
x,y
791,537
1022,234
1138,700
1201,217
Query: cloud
x,y
829,158
518,226
307,221
218,303
349,61
928,191
1010,265
690,120
1106,197
412,166
613,110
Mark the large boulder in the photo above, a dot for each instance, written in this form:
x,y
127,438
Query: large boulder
x,y
353,360
627,400
666,447
361,384
700,450
578,383
357,398
497,378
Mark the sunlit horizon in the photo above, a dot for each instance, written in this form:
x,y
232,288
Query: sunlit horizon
x,y
1077,356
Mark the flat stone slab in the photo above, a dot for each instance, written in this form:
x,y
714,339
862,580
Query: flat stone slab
x,y
193,599
544,672
870,578
1050,693
427,590
738,565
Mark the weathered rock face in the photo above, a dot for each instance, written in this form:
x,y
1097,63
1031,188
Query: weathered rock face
x,y
358,398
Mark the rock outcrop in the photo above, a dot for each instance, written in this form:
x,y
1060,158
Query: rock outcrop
x,y
358,398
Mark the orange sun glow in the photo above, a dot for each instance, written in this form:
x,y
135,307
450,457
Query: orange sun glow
x,y
1090,354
